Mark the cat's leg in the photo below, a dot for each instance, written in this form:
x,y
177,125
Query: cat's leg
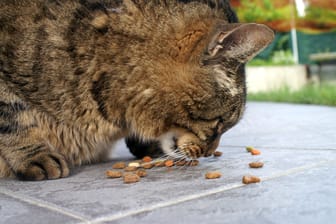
x,y
140,148
5,170
23,150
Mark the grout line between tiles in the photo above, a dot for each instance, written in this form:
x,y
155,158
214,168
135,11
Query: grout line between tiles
x,y
203,194
42,204
298,169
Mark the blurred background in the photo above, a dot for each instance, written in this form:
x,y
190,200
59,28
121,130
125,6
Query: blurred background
x,y
300,65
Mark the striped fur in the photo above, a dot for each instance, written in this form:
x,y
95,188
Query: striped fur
x,y
75,76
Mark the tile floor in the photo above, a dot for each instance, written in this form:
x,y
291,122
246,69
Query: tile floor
x,y
298,145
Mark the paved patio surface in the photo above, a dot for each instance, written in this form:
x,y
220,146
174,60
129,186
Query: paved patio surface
x,y
298,145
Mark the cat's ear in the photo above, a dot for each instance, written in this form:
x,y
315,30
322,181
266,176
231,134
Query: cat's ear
x,y
237,42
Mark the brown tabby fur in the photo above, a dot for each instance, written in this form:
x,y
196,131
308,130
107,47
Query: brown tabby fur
x,y
75,76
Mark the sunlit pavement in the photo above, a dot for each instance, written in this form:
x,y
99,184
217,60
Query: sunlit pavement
x,y
298,180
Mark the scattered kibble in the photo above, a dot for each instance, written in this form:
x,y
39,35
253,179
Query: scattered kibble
x,y
131,178
250,179
193,162
141,172
217,153
135,164
113,174
213,175
147,165
147,159
169,163
160,164
136,169
249,148
119,165
180,162
130,168
255,152
256,164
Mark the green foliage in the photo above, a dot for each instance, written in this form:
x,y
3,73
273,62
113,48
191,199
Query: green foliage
x,y
251,11
321,15
311,94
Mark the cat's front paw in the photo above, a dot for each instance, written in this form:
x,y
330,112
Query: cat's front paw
x,y
43,165
182,143
191,150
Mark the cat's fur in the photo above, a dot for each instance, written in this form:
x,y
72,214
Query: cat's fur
x,y
75,76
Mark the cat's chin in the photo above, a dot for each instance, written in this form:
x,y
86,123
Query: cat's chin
x,y
168,144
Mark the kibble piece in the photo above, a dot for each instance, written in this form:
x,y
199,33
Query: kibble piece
x,y
147,159
131,178
250,179
135,164
217,153
249,148
141,173
113,174
147,165
255,152
131,168
180,162
169,163
119,165
193,162
160,164
256,164
213,175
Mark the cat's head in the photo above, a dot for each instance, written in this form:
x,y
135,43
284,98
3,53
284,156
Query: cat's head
x,y
187,84
213,100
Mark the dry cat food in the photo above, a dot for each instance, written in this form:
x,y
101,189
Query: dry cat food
x,y
119,165
256,164
253,150
193,162
217,153
136,169
131,178
147,159
130,168
113,174
169,163
180,162
250,179
249,148
160,164
147,165
135,164
213,175
141,173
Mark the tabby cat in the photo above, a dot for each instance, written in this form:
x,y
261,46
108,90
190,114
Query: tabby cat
x,y
77,75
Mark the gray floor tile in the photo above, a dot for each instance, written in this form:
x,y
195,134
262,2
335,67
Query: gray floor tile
x,y
15,211
91,195
293,140
307,197
285,125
